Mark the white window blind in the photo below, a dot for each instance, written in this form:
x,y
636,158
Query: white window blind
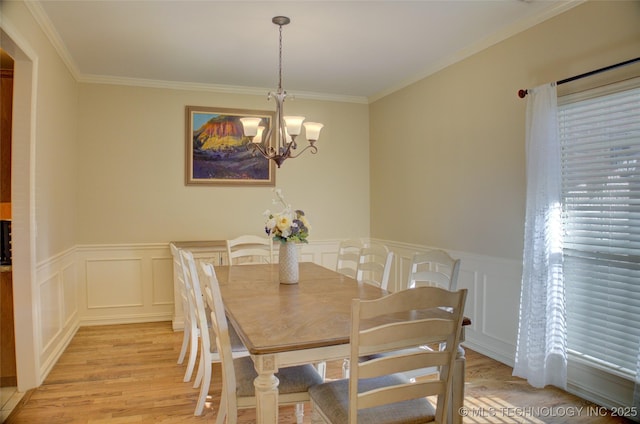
x,y
600,136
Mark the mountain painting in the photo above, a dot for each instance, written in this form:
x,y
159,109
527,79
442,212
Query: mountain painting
x,y
217,150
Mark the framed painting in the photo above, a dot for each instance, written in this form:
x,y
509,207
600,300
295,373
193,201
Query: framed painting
x,y
217,152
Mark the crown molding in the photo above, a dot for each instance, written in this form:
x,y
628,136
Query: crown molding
x,y
45,24
215,88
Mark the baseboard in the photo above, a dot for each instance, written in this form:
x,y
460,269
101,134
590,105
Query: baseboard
x,y
56,352
123,319
491,353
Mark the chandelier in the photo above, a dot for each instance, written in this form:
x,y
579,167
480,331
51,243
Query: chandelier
x,y
288,128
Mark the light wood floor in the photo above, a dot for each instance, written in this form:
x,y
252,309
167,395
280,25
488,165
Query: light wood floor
x,y
128,374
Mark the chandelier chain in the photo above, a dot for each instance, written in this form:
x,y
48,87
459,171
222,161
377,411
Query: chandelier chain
x,y
280,62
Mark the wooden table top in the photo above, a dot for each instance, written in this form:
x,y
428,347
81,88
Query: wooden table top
x,y
271,317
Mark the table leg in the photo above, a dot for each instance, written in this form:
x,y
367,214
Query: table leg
x,y
457,400
266,385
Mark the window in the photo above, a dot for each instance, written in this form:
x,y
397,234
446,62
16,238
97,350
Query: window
x,y
600,138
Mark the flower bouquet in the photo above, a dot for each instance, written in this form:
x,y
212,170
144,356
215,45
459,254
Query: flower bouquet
x,y
289,227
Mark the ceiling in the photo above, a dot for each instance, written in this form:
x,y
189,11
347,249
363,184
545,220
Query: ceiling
x,y
358,50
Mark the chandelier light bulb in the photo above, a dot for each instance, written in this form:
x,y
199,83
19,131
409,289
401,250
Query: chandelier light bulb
x,y
294,125
312,130
250,126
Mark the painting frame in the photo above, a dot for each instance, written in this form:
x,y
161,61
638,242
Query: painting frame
x,y
216,151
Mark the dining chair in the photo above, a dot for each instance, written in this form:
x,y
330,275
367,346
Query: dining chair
x,y
434,268
238,374
250,249
348,256
376,390
374,265
191,333
209,353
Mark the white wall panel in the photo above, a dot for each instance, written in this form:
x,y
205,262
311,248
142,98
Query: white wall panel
x,y
467,279
51,307
56,308
321,252
162,281
70,293
124,283
114,283
495,309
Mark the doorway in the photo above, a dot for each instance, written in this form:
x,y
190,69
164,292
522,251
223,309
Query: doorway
x,y
8,372
23,142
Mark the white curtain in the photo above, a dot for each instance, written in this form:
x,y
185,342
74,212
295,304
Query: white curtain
x,y
541,352
636,391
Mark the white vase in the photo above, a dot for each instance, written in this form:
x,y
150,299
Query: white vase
x,y
288,263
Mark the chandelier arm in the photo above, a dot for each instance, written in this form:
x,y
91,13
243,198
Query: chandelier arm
x,y
313,148
263,146
265,140
258,146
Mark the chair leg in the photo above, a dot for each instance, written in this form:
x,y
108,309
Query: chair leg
x,y
185,342
193,353
204,386
299,413
222,409
196,382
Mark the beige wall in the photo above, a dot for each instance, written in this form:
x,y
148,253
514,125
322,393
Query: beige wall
x,y
131,170
447,153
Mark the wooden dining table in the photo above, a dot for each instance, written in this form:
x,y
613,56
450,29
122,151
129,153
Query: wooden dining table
x,y
309,322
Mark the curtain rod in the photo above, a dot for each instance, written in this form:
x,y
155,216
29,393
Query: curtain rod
x,y
523,92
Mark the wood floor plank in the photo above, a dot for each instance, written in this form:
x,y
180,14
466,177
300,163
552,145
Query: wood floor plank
x,y
128,374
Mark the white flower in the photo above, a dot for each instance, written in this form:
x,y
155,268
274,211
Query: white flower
x,y
284,222
288,225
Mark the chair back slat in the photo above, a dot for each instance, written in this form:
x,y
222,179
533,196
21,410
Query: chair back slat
x,y
411,361
400,393
405,334
374,265
348,257
250,249
396,325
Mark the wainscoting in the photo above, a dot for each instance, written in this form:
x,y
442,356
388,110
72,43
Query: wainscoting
x,y
124,283
117,284
56,309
